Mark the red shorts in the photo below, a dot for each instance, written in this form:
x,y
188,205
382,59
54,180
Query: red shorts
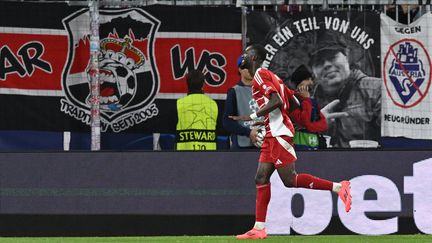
x,y
278,150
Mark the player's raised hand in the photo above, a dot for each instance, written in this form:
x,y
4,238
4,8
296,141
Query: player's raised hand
x,y
240,118
329,113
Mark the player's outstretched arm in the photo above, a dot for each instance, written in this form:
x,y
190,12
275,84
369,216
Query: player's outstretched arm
x,y
274,102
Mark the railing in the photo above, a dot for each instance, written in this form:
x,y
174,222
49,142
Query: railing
x,y
266,5
128,3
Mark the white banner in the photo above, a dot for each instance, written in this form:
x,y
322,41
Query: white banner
x,y
317,208
406,67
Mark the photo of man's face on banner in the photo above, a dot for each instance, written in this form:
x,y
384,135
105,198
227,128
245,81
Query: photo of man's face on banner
x,y
342,51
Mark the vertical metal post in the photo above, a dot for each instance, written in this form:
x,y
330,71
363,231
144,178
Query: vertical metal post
x,y
325,5
244,26
409,14
397,12
94,75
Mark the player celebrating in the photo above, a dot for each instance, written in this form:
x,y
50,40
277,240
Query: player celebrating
x,y
276,102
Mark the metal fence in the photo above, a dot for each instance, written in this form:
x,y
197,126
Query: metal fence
x,y
269,5
236,2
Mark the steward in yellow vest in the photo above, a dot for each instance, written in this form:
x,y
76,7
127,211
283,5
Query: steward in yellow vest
x,y
197,116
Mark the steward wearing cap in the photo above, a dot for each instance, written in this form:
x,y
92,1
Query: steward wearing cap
x,y
307,136
197,116
239,102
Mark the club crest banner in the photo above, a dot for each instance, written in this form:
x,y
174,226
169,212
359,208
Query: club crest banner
x,y
146,53
406,62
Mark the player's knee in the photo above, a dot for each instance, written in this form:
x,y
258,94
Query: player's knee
x,y
289,181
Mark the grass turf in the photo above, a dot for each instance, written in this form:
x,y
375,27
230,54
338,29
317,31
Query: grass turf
x,y
287,239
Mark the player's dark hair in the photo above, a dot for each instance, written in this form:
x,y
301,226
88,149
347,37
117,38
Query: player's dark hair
x,y
195,80
258,51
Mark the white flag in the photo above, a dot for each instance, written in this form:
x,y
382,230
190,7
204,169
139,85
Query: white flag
x,y
406,67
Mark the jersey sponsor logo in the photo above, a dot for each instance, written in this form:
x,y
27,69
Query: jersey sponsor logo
x,y
407,72
129,79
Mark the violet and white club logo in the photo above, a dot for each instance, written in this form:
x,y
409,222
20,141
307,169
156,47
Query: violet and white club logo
x,y
407,72
129,80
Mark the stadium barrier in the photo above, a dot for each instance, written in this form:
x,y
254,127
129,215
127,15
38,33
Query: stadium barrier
x,y
215,190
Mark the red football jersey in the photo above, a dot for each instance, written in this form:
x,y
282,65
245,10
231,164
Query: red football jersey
x,y
277,123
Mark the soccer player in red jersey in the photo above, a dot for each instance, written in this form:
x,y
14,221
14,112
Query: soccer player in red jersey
x,y
277,104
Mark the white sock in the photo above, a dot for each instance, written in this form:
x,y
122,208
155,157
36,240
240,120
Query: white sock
x,y
259,225
336,187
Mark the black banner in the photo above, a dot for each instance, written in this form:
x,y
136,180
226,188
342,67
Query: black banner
x,y
44,82
342,50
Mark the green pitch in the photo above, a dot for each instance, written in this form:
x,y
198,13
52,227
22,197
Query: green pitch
x,y
222,239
